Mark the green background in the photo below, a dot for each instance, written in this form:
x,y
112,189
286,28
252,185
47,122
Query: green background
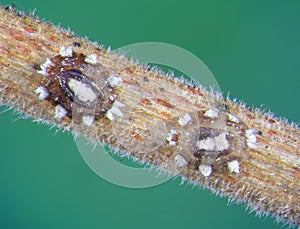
x,y
252,48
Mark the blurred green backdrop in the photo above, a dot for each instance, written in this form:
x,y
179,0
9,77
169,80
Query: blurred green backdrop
x,y
252,48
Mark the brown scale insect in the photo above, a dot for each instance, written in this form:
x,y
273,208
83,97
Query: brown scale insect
x,y
68,87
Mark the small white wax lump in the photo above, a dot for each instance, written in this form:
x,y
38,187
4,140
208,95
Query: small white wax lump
x,y
44,67
184,119
42,92
114,80
66,51
91,59
234,166
180,161
109,115
205,170
88,119
218,143
211,113
47,63
115,111
60,112
233,118
251,138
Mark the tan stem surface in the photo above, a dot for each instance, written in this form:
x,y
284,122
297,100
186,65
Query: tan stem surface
x,y
266,149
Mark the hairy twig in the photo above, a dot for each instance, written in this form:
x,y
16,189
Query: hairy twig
x,y
55,77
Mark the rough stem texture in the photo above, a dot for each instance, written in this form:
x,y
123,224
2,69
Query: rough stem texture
x,y
241,153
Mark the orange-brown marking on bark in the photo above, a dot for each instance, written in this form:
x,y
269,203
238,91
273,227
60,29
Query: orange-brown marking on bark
x,y
145,101
166,115
164,103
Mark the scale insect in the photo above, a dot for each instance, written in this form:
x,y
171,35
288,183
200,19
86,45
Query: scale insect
x,y
69,85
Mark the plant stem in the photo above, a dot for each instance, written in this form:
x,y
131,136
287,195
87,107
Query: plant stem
x,y
234,151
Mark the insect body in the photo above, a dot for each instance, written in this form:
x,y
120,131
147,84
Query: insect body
x,y
75,86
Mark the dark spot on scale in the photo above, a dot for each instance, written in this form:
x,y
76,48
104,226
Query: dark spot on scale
x,y
161,89
49,82
76,44
57,100
196,165
36,67
199,153
136,83
145,79
204,133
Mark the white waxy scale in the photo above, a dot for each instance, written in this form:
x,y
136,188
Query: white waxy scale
x,y
234,166
180,161
82,91
211,113
115,111
42,92
60,112
233,118
113,81
48,63
251,138
112,97
205,170
66,51
170,137
42,72
184,120
88,119
109,115
91,59
218,143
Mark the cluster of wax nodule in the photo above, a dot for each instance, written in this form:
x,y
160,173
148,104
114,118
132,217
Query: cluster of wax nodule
x,y
82,91
203,141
